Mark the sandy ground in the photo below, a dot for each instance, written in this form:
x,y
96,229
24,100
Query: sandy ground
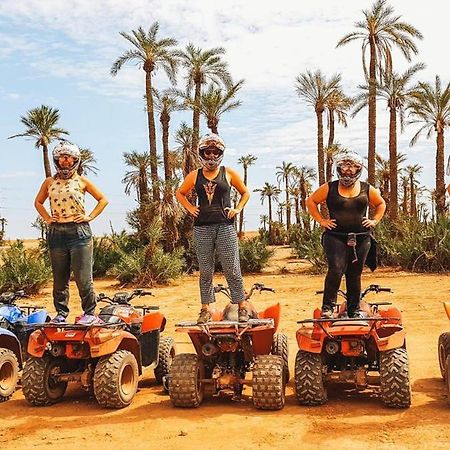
x,y
350,419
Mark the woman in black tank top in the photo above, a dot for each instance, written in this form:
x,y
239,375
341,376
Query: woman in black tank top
x,y
214,223
346,239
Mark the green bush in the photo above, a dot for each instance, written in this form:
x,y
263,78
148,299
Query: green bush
x,y
254,255
306,244
23,269
278,234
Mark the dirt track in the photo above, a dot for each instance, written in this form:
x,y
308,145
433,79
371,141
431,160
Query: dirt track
x,y
350,419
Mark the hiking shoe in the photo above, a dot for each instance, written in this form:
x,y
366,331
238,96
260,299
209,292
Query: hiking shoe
x,y
243,315
359,315
59,318
327,313
89,319
204,316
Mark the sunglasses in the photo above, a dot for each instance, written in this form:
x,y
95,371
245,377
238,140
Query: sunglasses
x,y
212,151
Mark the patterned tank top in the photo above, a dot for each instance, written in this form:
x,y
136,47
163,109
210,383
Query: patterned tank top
x,y
66,197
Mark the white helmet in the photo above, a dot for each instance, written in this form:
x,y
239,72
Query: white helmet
x,y
211,141
343,159
66,148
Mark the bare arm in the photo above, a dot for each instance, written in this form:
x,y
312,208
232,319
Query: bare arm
x,y
184,190
237,183
41,196
312,204
102,201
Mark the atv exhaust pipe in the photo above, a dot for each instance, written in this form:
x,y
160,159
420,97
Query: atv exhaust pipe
x,y
209,349
332,347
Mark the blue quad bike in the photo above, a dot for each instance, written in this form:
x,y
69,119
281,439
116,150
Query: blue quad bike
x,y
15,329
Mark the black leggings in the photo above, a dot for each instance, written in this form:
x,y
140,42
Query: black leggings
x,y
340,256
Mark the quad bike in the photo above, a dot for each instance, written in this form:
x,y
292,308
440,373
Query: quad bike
x,y
14,332
363,352
106,359
226,350
444,354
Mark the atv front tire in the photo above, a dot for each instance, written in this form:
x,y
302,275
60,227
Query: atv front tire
x,y
38,386
268,382
116,379
443,351
309,379
394,378
280,348
185,387
9,374
166,355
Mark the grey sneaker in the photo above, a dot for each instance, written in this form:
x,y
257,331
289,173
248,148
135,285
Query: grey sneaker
x,y
327,313
204,316
59,318
243,315
359,315
89,319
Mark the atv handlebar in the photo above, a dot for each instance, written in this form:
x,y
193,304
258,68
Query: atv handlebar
x,y
9,298
256,287
123,298
371,288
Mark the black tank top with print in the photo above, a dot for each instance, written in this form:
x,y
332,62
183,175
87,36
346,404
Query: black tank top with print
x,y
213,196
348,212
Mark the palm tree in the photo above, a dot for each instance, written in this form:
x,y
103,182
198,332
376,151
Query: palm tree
x,y
383,175
166,103
150,54
215,101
264,219
304,176
404,180
87,161
379,32
316,90
40,124
284,175
138,177
430,107
202,66
331,153
271,192
183,137
246,161
337,106
395,90
412,171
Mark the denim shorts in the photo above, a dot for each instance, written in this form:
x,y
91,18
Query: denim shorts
x,y
68,235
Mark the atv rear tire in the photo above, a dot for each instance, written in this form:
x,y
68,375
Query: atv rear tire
x,y
443,351
185,387
116,379
447,378
165,359
280,347
9,374
38,387
268,382
394,378
309,379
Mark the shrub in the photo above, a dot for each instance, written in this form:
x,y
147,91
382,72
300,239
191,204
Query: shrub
x,y
307,245
23,269
254,255
278,234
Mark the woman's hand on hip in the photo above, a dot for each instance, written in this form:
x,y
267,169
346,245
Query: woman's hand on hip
x,y
369,223
81,218
328,224
194,211
231,212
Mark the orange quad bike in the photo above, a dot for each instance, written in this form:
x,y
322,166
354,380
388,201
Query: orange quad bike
x,y
226,350
444,354
361,352
106,359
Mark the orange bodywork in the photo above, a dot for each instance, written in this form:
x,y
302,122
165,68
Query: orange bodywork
x,y
262,336
387,334
447,308
152,322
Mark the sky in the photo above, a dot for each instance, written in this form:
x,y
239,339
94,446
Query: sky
x,y
59,53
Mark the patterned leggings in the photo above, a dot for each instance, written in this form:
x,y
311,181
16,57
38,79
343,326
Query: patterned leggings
x,y
222,237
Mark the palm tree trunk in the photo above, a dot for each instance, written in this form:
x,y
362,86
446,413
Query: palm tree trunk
x,y
405,199
440,179
241,215
320,155
165,120
412,199
329,163
297,210
288,206
270,218
152,135
47,168
393,166
372,113
196,118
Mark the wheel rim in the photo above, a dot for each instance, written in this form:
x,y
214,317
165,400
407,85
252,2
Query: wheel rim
x,y
6,376
442,357
127,380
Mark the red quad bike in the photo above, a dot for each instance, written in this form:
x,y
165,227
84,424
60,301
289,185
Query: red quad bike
x,y
226,350
105,358
444,354
363,352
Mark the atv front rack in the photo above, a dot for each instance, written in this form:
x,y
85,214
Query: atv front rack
x,y
227,324
76,326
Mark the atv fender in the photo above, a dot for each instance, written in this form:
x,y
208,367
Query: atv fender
x,y
35,317
9,340
395,340
152,322
306,341
447,308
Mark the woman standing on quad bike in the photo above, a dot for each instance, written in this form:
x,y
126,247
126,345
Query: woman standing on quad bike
x,y
214,222
69,234
347,237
